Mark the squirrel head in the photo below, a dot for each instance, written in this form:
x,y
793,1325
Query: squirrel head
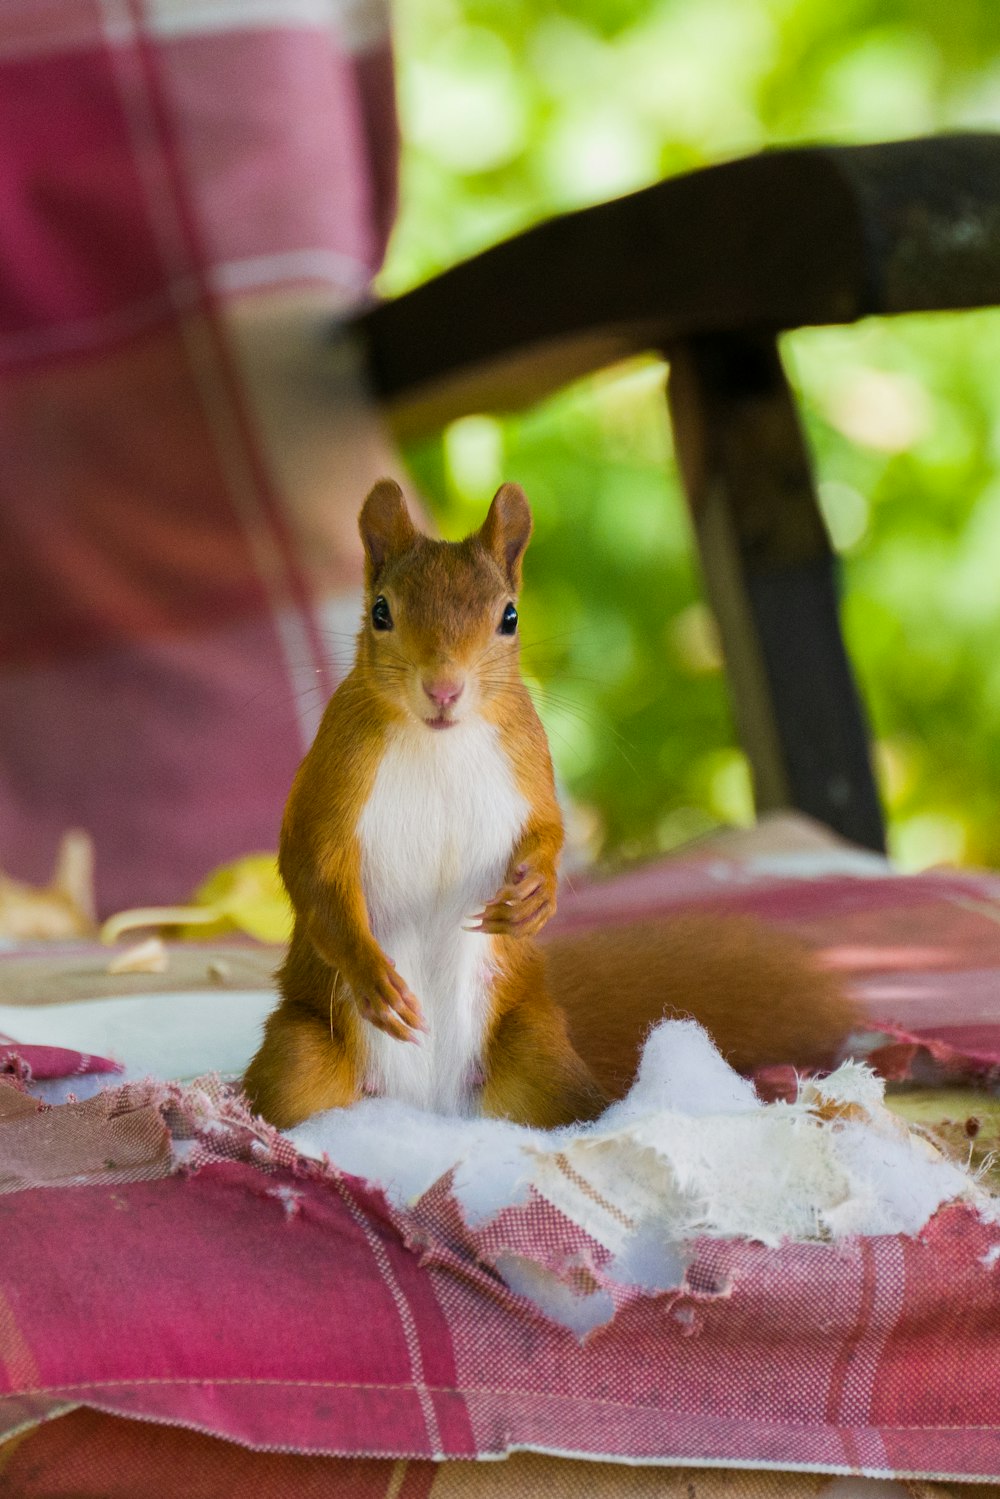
x,y
439,638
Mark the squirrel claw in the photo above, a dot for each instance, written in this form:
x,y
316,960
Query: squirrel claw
x,y
385,1002
519,910
521,907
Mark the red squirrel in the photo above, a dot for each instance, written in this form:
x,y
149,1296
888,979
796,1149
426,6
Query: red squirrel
x,y
420,850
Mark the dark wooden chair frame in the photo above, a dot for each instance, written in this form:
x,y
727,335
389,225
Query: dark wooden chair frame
x,y
710,268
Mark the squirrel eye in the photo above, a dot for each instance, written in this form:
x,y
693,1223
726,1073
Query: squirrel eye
x,y
508,623
381,618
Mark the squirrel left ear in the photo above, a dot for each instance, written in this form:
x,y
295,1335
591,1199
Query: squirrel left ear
x,y
385,526
507,529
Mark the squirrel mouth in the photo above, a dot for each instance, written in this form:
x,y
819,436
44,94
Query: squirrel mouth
x,y
441,722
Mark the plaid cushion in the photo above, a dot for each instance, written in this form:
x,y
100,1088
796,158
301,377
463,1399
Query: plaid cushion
x,y
280,1304
191,192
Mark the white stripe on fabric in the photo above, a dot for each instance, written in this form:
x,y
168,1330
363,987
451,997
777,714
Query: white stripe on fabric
x,y
406,1318
34,31
290,627
888,1297
349,276
357,24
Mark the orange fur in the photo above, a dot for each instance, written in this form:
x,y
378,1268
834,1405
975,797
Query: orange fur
x,y
760,993
531,1071
562,1029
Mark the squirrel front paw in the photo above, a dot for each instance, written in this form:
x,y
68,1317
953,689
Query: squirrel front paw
x,y
384,1000
521,908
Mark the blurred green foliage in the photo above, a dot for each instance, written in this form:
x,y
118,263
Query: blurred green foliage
x,y
517,109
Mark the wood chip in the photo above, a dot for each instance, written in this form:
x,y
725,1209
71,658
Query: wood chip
x,y
142,957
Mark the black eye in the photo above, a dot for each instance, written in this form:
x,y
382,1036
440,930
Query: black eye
x,y
381,618
508,623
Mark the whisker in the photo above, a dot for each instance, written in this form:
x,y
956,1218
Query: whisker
x,y
563,740
559,677
281,693
601,725
572,705
530,645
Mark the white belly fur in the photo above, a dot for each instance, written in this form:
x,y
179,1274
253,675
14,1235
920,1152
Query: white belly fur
x,y
436,838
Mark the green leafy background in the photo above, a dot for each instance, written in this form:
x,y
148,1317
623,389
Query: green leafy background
x,y
513,110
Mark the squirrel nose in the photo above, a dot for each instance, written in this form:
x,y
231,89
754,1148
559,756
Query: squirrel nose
x,y
443,691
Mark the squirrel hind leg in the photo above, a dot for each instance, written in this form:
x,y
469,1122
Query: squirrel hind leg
x,y
533,1073
300,1069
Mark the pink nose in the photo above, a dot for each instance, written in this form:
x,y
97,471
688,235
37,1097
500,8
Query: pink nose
x,y
444,691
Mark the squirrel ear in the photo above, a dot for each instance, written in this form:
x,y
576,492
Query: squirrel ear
x,y
385,526
506,530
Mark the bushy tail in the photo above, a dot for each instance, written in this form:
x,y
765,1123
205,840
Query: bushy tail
x,y
760,993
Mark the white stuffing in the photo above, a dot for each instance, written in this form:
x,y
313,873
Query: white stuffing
x,y
406,1151
691,1147
580,1313
690,1151
679,1072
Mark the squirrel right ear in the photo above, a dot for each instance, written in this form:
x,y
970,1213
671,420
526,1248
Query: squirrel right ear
x,y
385,526
506,530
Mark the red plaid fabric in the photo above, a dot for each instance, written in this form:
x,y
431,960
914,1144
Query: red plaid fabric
x,y
279,1304
284,1311
191,192
45,1062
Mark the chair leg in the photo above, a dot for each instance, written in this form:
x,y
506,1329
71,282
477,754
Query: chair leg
x,y
771,577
